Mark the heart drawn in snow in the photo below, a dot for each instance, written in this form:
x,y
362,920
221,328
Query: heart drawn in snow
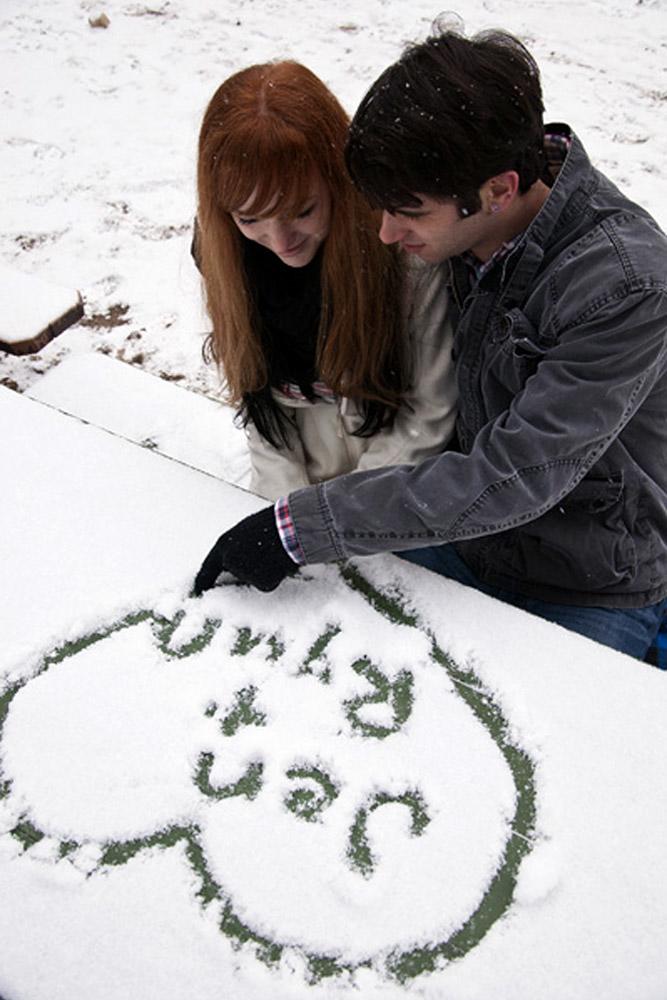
x,y
338,785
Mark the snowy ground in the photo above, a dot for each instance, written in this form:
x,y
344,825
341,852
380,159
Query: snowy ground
x,y
338,792
99,130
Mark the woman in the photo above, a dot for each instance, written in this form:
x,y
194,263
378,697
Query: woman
x,y
309,310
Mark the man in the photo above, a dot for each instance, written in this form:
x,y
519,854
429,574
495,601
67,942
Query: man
x,y
555,498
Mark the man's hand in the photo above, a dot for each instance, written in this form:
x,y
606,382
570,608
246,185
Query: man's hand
x,y
251,551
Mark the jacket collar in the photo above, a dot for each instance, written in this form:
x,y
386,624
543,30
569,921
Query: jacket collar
x,y
515,270
574,175
571,185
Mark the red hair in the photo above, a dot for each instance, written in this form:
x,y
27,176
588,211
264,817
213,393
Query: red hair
x,y
267,132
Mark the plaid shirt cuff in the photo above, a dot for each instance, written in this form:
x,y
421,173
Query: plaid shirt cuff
x,y
286,530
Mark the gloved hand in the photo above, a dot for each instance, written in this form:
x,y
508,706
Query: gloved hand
x,y
251,551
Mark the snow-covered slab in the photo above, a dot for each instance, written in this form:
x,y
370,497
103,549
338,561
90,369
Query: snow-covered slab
x,y
93,524
149,411
33,311
371,783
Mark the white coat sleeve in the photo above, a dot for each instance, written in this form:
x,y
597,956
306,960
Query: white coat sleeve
x,y
425,425
275,472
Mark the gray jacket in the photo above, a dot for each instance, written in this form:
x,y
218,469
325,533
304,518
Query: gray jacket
x,y
559,487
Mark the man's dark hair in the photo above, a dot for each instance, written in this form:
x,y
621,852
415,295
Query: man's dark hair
x,y
450,114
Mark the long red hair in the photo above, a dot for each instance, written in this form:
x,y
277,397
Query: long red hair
x,y
266,133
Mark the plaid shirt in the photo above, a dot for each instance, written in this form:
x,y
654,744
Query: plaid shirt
x,y
320,391
480,267
285,526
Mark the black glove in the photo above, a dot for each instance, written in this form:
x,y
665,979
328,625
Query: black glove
x,y
251,551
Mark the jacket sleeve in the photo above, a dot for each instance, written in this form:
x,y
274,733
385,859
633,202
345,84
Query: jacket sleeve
x,y
424,424
583,393
275,472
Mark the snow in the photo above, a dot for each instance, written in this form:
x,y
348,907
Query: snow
x,y
76,533
223,796
99,131
30,305
160,754
149,411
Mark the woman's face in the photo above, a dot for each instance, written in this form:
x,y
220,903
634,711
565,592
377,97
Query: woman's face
x,y
294,239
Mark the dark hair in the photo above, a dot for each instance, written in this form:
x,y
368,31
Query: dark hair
x,y
450,114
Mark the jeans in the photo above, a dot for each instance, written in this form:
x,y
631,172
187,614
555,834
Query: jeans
x,y
628,630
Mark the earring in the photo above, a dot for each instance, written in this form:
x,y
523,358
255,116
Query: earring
x,y
495,207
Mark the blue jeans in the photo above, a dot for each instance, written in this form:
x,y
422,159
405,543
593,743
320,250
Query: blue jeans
x,y
629,630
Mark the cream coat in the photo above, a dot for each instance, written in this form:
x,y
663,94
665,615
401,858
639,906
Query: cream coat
x,y
322,441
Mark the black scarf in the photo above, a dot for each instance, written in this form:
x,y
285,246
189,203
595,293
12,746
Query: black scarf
x,y
288,303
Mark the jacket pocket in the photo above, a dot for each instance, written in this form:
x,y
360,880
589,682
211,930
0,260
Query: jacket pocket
x,y
581,544
514,351
595,496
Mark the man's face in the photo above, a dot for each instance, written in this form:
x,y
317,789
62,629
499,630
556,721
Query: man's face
x,y
437,230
